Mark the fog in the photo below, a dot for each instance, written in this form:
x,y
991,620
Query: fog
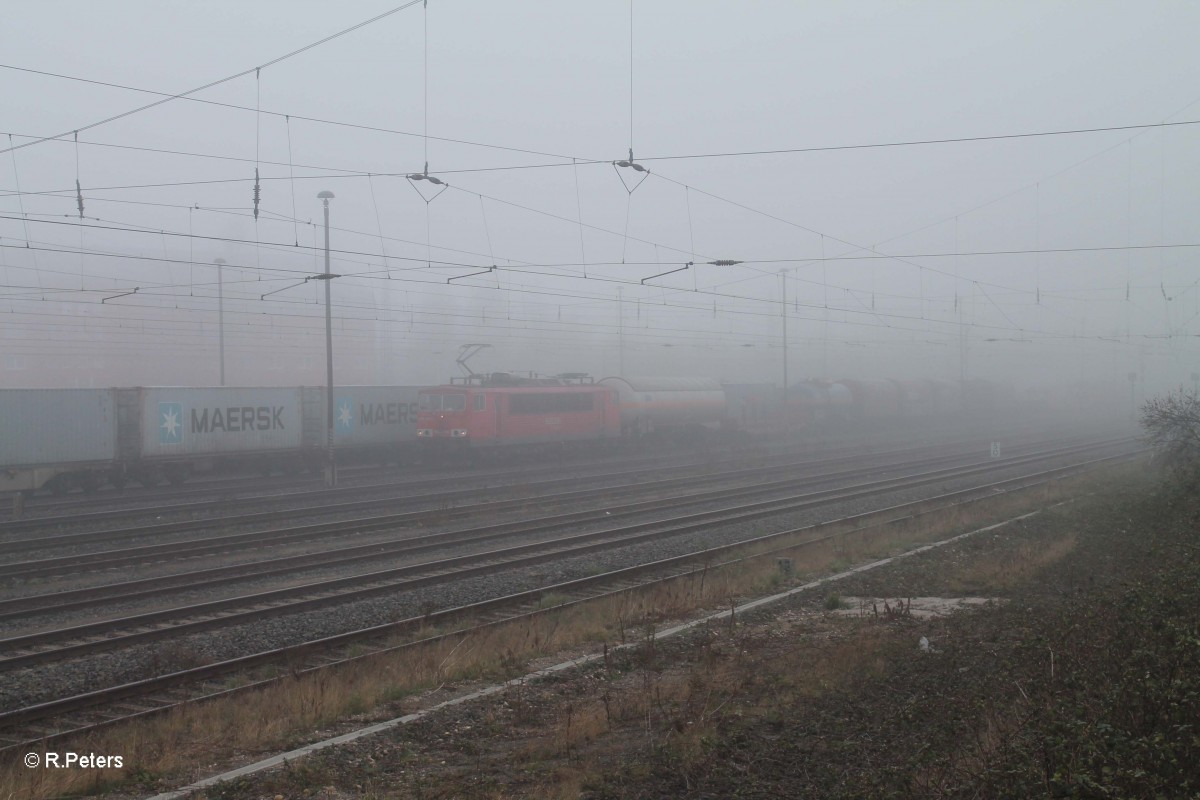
x,y
1033,249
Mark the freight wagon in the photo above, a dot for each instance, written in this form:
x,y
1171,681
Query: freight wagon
x,y
62,439
661,404
494,411
63,435
81,438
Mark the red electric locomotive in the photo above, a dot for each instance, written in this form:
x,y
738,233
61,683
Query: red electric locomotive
x,y
503,409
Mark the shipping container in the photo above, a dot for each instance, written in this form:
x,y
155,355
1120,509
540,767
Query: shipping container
x,y
56,426
372,416
179,421
58,438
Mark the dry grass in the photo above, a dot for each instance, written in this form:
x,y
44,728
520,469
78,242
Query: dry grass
x,y
195,739
678,712
1009,569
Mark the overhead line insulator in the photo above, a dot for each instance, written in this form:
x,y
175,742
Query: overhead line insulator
x,y
257,192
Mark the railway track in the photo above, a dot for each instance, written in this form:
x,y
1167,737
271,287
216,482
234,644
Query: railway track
x,y
247,491
239,495
406,461
36,648
353,478
43,722
446,503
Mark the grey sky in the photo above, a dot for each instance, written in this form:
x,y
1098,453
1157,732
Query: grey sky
x,y
554,79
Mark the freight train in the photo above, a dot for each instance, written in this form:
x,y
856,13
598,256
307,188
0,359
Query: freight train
x,y
64,439
61,439
499,410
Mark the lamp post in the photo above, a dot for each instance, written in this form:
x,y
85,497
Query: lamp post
x,y
327,276
220,262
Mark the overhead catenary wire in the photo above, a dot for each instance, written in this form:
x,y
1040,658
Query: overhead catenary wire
x,y
292,180
566,158
749,261
361,233
79,204
904,258
227,79
876,315
883,257
20,196
642,332
1007,288
583,255
921,142
268,112
413,242
566,162
379,228
425,78
257,138
578,214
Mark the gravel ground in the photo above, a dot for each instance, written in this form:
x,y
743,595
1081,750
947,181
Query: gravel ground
x,y
522,743
70,677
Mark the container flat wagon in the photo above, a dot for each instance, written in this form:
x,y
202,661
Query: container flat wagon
x,y
369,422
58,438
62,439
171,432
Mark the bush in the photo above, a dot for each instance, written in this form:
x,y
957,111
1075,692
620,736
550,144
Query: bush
x,y
1172,425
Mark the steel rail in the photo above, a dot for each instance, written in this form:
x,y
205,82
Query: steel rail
x,y
22,651
200,678
54,602
108,559
224,502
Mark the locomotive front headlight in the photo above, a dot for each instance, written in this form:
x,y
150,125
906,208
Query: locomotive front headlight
x,y
424,432
458,432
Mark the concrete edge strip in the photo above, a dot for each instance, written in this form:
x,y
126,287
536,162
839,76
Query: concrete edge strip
x,y
291,755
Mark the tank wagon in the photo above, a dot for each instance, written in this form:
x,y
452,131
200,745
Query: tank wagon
x,y
757,408
62,439
650,405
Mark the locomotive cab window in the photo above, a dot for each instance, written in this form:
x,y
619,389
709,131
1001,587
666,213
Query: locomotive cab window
x,y
443,402
479,402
